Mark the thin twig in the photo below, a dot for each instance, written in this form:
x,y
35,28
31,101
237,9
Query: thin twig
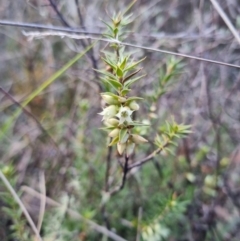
x,y
41,26
21,205
161,35
149,157
32,35
226,20
63,20
108,168
125,171
79,14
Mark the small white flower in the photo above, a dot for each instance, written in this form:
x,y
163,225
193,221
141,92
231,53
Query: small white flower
x,y
124,115
109,112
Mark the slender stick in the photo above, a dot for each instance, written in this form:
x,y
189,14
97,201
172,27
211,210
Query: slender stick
x,y
148,158
32,35
63,20
108,168
41,26
79,14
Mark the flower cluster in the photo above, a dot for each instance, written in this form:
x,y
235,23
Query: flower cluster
x,y
119,75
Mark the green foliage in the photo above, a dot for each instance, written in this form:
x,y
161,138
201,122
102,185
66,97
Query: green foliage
x,y
81,165
168,75
169,133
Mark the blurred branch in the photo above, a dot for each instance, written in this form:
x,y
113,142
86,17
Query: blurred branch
x,y
226,19
161,35
63,20
148,158
108,168
33,35
79,14
40,26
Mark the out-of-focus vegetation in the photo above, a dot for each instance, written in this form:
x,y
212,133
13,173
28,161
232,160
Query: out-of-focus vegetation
x,y
56,157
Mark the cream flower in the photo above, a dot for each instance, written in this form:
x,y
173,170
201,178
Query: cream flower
x,y
124,115
109,112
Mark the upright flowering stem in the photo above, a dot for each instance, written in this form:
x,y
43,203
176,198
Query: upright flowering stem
x,y
119,75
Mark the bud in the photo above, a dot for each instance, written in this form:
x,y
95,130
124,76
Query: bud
x,y
210,181
113,122
121,99
138,139
114,133
121,148
133,105
8,170
117,21
109,99
153,108
109,112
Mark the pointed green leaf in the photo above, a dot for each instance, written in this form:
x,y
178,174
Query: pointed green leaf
x,y
123,64
134,64
107,82
109,63
131,81
111,94
115,84
110,27
125,91
115,31
123,135
119,72
133,98
138,124
107,128
131,75
106,73
114,141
